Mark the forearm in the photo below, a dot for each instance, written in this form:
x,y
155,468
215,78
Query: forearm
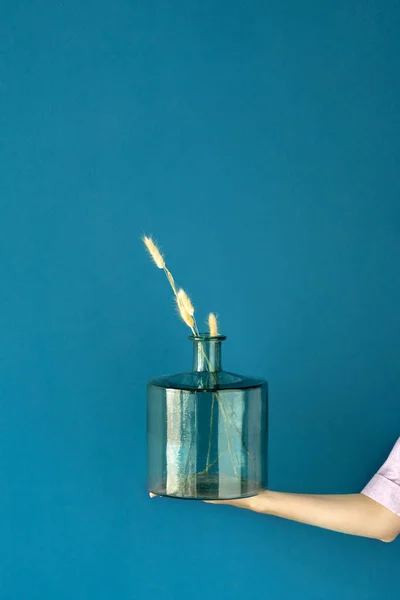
x,y
353,514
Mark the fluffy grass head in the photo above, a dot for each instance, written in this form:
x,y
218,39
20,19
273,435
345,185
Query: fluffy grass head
x,y
185,308
184,300
185,316
154,252
213,325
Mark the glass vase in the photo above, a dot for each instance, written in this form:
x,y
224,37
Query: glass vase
x,y
207,430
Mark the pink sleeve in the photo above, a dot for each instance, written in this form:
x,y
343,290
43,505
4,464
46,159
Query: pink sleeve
x,y
384,487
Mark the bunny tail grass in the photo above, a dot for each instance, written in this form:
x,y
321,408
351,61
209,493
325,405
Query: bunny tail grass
x,y
185,316
213,324
184,300
184,304
154,252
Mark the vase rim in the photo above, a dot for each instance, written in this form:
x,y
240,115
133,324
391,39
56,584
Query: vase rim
x,y
206,337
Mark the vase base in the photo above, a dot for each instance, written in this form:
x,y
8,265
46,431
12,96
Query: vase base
x,y
208,486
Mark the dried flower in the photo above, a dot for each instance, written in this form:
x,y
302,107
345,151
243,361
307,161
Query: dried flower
x,y
184,300
213,325
186,317
185,308
184,304
154,252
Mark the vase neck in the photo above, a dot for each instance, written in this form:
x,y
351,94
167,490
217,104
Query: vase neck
x,y
207,353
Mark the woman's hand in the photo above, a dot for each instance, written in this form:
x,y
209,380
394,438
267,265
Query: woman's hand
x,y
354,514
239,502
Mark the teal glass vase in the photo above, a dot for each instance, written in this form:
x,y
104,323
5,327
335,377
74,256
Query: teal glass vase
x,y
207,430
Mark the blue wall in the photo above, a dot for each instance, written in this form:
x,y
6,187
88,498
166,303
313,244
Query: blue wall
x,y
259,142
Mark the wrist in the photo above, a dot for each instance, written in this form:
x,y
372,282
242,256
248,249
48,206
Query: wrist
x,y
260,502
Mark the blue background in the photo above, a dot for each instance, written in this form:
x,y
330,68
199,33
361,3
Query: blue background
x,y
259,143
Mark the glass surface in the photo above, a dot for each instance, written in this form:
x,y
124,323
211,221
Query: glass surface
x,y
207,430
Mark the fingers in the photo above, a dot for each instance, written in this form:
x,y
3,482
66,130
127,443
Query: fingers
x,y
239,502
151,495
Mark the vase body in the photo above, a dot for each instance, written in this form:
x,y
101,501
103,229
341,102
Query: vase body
x,y
207,430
